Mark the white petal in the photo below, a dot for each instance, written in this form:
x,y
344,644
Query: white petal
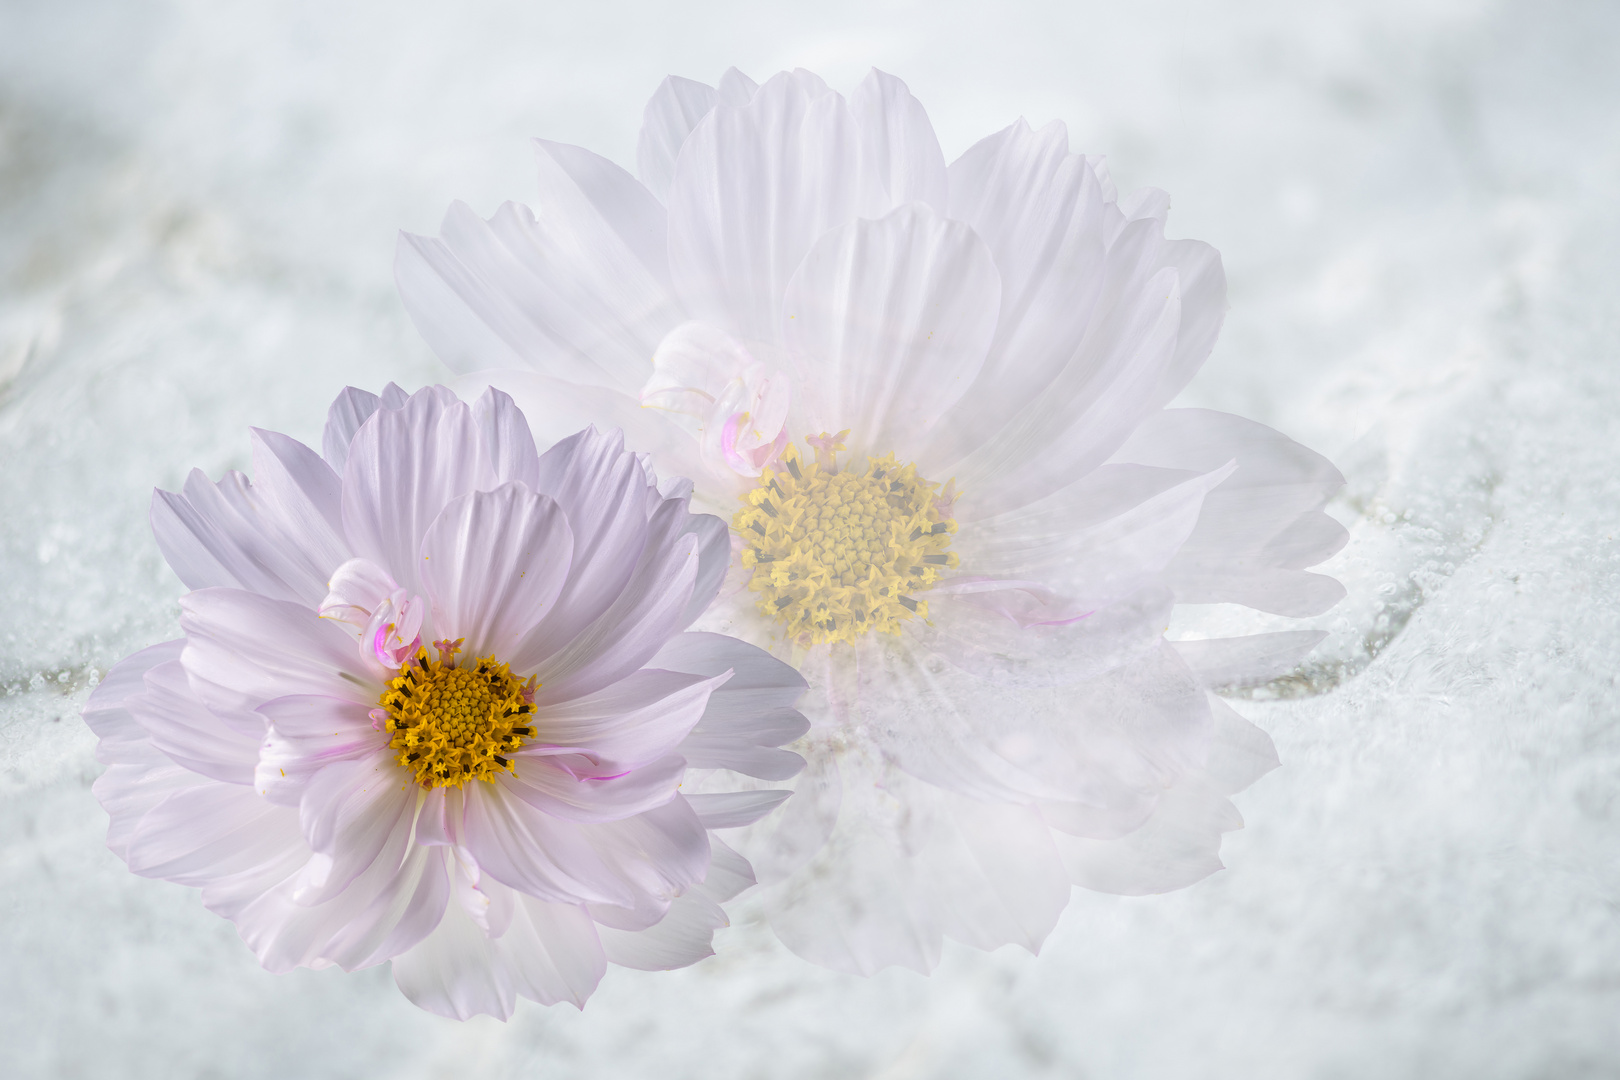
x,y
404,466
243,650
349,410
1040,210
632,721
893,318
646,614
122,740
507,438
601,487
754,187
1260,528
493,563
1095,562
674,110
747,717
1242,662
681,938
183,728
733,809
631,210
899,141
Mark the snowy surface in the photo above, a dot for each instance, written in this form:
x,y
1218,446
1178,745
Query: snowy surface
x,y
1416,204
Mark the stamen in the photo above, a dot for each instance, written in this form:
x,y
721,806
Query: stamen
x,y
832,551
448,722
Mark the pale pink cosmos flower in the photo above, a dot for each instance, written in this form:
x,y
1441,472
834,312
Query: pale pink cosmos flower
x,y
435,705
931,401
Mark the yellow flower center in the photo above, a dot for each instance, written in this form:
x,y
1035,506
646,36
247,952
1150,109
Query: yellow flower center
x,y
453,724
835,554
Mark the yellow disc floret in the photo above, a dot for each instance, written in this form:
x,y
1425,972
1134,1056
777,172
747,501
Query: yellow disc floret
x,y
453,724
837,555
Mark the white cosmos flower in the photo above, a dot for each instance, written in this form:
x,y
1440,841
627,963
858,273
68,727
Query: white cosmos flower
x,y
931,402
434,705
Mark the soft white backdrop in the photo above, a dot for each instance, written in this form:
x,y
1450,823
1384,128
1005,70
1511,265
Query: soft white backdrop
x,y
1417,206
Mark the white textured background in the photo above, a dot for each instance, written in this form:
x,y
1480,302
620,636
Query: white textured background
x,y
1417,203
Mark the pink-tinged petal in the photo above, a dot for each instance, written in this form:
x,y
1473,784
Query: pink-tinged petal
x,y
228,535
891,319
646,614
550,953
507,438
733,809
209,831
898,139
729,873
122,740
307,733
243,650
349,410
674,110
128,790
395,902
546,784
602,488
662,853
1242,662
1258,530
754,187
553,409
1041,210
493,563
681,938
183,727
535,853
347,811
569,290
305,495
404,466
631,721
747,717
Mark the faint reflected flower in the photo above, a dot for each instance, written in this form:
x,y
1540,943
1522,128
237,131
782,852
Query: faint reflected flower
x,y
931,402
434,706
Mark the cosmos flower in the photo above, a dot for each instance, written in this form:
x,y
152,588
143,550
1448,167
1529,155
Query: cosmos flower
x,y
434,705
931,402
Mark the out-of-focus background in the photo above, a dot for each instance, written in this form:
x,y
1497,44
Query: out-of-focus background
x,y
1417,205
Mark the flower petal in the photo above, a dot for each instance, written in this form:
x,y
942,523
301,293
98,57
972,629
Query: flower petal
x,y
681,938
508,440
754,187
673,111
892,319
601,487
182,727
1040,209
1260,528
404,466
306,733
898,139
549,953
747,717
632,721
493,563
121,738
243,650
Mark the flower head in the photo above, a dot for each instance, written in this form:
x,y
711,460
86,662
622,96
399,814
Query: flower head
x,y
931,402
434,705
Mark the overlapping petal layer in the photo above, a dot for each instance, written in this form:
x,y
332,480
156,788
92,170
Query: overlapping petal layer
x,y
811,273
252,758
